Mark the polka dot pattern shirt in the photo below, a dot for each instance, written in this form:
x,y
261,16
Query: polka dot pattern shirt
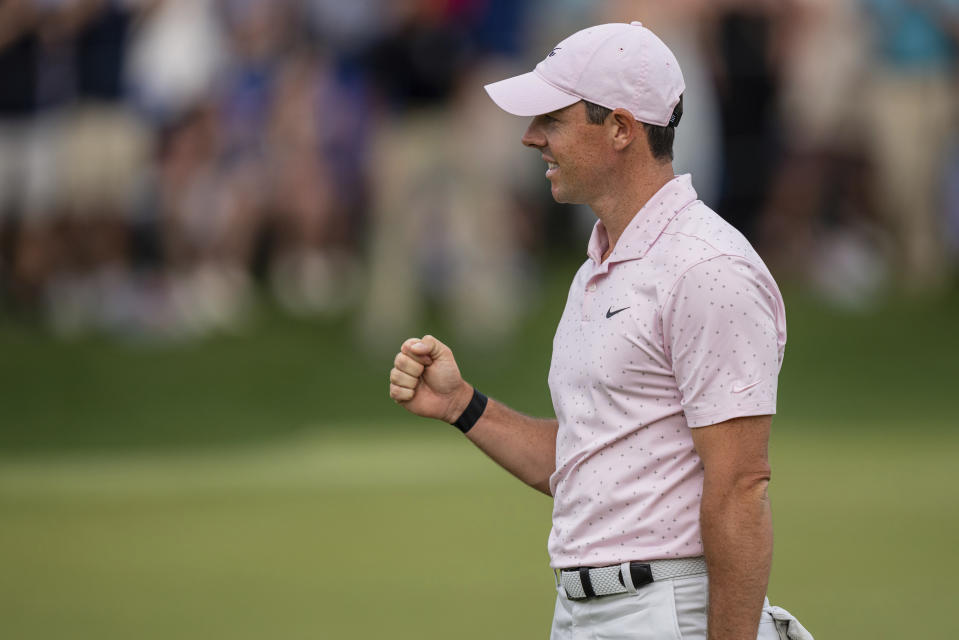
x,y
681,327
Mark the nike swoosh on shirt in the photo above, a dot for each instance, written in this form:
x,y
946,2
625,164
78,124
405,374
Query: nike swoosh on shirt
x,y
610,313
737,389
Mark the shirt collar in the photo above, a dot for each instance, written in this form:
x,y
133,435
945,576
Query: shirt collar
x,y
647,225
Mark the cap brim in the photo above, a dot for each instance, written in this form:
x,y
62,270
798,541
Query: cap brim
x,y
528,95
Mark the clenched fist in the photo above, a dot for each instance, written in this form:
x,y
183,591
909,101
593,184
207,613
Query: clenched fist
x,y
426,381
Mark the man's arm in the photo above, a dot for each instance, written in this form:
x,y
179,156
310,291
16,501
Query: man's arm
x,y
736,523
426,381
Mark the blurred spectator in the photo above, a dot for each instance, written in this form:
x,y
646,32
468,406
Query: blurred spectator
x,y
158,156
348,27
216,173
745,42
441,229
312,269
103,153
73,155
263,174
819,223
909,107
27,157
176,51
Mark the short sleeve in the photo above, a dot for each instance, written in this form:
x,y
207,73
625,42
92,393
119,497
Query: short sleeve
x,y
724,330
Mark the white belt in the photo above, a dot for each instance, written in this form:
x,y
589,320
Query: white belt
x,y
590,582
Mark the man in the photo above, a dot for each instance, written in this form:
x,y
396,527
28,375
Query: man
x,y
663,374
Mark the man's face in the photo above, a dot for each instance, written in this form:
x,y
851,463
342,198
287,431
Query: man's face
x,y
574,150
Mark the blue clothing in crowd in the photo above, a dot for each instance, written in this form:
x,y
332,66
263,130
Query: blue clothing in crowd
x,y
913,35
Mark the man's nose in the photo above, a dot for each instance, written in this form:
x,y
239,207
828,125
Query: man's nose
x,y
534,136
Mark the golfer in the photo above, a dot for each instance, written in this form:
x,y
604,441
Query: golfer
x,y
663,374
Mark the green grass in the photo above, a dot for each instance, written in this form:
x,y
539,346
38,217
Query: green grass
x,y
416,535
864,529
328,536
895,366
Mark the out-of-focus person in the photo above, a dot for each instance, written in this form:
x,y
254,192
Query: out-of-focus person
x,y
214,178
73,155
104,150
909,106
312,267
820,222
177,48
440,216
28,185
745,45
260,160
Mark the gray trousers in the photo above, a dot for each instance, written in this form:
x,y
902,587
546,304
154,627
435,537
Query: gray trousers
x,y
667,610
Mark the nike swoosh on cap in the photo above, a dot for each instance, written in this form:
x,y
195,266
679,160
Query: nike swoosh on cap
x,y
738,389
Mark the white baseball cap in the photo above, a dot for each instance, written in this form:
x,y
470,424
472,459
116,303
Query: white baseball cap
x,y
613,65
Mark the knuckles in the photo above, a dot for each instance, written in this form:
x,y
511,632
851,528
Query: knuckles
x,y
402,379
406,371
407,365
400,394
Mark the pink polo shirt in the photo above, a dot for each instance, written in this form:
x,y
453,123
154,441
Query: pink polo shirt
x,y
681,327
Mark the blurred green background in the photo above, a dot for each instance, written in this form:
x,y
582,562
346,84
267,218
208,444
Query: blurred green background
x,y
265,485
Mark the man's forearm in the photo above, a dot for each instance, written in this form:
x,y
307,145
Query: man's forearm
x,y
524,446
426,380
738,540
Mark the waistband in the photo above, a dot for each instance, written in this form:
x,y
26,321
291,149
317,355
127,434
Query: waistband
x,y
581,583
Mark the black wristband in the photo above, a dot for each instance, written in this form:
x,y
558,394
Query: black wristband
x,y
474,410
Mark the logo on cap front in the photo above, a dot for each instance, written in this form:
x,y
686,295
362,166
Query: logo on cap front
x,y
553,52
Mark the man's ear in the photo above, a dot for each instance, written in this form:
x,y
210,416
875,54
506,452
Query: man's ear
x,y
623,128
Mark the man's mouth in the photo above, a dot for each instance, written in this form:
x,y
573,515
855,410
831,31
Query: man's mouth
x,y
551,168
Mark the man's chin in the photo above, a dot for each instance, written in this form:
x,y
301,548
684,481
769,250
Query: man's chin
x,y
563,197
558,195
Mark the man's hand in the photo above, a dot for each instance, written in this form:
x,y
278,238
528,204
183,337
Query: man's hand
x,y
426,381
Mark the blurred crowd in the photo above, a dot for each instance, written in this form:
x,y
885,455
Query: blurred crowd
x,y
164,164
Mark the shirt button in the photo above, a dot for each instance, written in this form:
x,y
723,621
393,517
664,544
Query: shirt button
x,y
591,288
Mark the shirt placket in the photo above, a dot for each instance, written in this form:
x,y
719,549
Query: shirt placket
x,y
591,293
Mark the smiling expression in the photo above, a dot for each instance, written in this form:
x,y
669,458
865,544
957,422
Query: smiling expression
x,y
574,151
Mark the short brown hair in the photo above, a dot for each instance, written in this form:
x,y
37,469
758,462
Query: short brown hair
x,y
660,139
